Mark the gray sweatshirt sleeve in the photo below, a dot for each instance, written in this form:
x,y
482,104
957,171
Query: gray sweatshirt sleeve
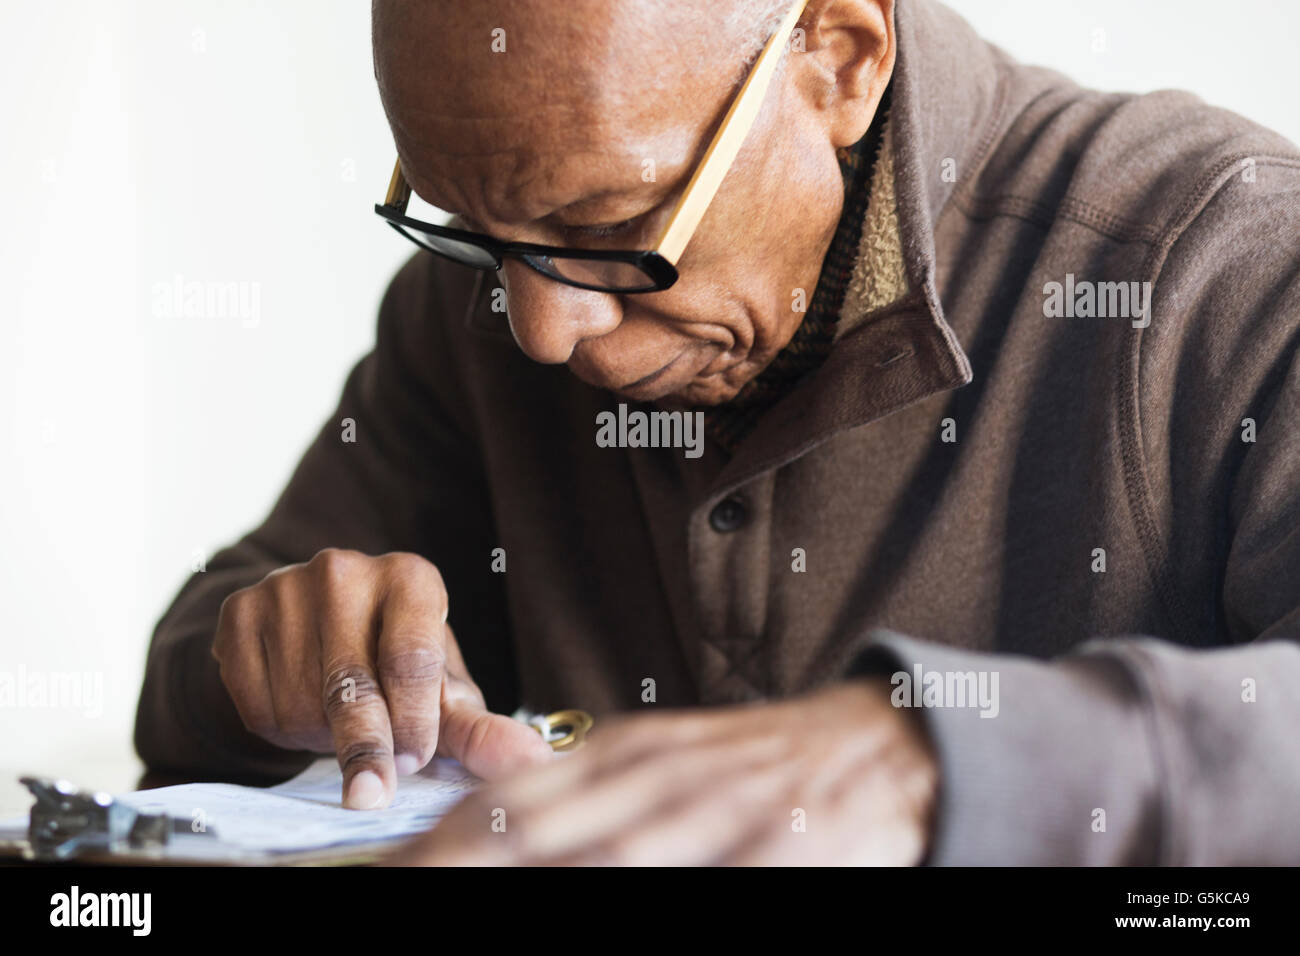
x,y
1127,751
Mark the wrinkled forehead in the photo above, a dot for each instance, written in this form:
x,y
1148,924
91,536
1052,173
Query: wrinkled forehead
x,y
521,109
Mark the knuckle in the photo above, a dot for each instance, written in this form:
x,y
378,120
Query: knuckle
x,y
461,737
237,618
363,751
281,585
413,660
414,568
347,685
277,594
337,566
480,731
405,561
418,740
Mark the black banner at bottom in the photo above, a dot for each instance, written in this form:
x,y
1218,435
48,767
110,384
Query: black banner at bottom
x,y
339,905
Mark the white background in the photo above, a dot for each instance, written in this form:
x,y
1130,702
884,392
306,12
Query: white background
x,y
244,142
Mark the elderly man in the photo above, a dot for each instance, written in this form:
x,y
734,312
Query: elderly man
x,y
962,519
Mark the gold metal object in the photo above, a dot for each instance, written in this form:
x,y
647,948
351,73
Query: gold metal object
x,y
575,723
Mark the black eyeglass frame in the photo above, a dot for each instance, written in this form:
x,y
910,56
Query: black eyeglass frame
x,y
660,272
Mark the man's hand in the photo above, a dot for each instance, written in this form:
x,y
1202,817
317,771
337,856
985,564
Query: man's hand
x,y
353,655
840,777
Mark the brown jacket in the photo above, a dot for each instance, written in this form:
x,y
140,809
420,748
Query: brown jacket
x,y
1103,511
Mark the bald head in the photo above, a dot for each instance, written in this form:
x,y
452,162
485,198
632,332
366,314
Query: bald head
x,y
661,39
555,83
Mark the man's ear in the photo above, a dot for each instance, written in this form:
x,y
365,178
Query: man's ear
x,y
851,46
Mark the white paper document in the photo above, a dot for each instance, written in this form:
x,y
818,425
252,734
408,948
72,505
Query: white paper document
x,y
250,824
307,813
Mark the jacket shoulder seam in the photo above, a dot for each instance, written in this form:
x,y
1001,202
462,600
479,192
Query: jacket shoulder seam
x,y
1109,224
1131,431
1044,215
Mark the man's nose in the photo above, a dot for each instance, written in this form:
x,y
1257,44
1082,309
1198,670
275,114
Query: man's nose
x,y
549,318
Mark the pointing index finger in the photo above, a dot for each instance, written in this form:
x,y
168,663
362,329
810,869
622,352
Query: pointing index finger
x,y
363,737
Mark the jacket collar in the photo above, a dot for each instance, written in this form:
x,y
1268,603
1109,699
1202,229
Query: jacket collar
x,y
946,92
948,96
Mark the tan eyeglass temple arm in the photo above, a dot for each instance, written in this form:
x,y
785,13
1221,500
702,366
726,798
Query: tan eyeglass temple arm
x,y
399,193
726,143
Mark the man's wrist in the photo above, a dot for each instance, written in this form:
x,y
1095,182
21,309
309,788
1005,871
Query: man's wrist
x,y
912,751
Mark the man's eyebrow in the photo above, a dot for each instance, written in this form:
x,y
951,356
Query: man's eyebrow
x,y
667,159
629,203
614,204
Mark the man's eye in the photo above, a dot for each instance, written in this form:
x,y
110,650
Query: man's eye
x,y
603,231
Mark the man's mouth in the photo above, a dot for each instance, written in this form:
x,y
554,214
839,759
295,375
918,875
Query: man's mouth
x,y
669,378
650,379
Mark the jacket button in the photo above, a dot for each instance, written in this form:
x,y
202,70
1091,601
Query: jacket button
x,y
727,515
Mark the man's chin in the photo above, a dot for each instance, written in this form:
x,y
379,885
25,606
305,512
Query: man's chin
x,y
713,390
699,392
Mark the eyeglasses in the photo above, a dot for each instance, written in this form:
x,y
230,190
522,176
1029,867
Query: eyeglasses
x,y
604,270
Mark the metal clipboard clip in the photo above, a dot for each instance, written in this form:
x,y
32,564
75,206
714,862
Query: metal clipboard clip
x,y
66,822
564,730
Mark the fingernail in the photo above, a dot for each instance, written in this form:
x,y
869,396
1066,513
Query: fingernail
x,y
365,792
406,764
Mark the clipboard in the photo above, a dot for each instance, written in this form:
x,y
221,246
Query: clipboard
x,y
68,824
